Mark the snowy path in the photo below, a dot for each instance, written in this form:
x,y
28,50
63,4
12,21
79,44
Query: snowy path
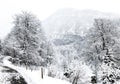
x,y
20,70
33,77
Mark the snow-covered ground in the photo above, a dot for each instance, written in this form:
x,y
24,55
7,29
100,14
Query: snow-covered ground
x,y
33,77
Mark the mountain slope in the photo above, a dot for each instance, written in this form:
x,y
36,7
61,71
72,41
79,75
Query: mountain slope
x,y
67,39
71,20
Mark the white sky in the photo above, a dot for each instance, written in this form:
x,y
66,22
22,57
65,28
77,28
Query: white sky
x,y
44,8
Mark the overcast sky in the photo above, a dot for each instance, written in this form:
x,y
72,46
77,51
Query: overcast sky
x,y
44,8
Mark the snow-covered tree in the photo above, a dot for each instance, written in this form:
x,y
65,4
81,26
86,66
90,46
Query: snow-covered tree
x,y
0,46
27,39
101,42
46,53
68,65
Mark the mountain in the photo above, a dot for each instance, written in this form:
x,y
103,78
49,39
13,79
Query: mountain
x,y
67,39
72,21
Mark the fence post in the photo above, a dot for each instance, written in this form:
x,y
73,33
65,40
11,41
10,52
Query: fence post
x,y
42,72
